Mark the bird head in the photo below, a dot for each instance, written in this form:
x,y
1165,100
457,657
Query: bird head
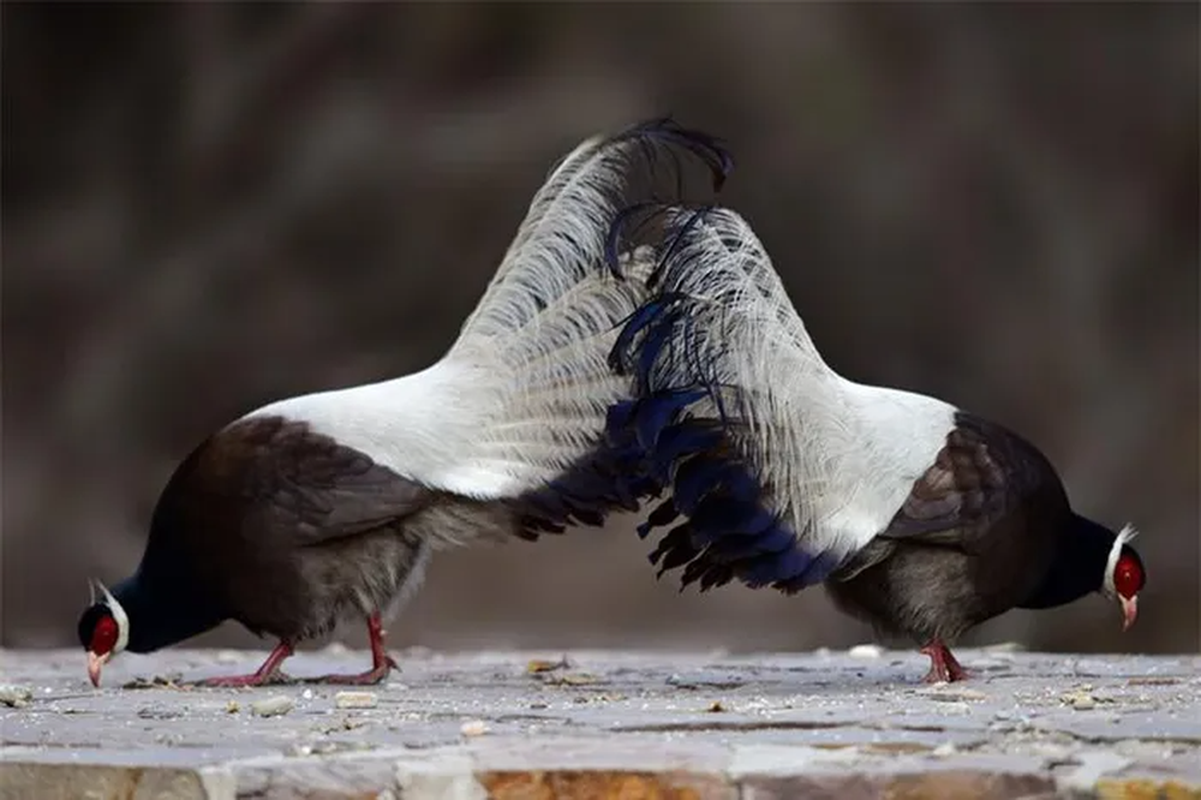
x,y
103,629
1124,575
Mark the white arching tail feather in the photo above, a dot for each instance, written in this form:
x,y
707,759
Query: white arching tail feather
x,y
836,458
530,270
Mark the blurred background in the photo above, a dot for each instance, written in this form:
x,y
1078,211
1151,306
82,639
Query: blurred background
x,y
210,206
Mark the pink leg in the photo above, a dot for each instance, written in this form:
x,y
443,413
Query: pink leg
x,y
943,666
381,662
267,674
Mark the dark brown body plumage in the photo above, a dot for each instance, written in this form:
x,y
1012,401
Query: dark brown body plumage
x,y
287,532
975,538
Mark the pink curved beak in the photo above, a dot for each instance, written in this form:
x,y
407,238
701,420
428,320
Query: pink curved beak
x,y
95,662
1129,611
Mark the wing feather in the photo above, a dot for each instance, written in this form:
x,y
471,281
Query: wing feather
x,y
982,474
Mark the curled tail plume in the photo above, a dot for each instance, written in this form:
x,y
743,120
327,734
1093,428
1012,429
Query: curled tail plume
x,y
562,240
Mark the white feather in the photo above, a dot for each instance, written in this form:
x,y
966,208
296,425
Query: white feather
x,y
522,393
837,457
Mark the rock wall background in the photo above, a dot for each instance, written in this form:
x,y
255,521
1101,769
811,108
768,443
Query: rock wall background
x,y
209,206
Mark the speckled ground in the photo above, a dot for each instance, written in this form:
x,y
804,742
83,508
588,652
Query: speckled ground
x,y
701,725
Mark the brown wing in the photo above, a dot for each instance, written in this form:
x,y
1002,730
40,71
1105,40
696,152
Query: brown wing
x,y
982,474
272,474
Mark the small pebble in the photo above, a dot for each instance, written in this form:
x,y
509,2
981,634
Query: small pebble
x,y
272,706
1081,699
866,651
355,700
232,707
475,727
15,696
307,694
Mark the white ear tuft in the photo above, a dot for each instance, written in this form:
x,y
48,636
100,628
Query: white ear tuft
x,y
1127,534
104,592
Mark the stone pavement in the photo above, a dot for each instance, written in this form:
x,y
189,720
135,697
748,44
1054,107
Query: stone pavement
x,y
606,724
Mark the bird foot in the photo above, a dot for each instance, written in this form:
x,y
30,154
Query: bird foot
x,y
267,675
241,681
369,678
943,666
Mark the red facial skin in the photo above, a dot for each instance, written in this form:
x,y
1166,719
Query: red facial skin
x,y
1128,580
104,639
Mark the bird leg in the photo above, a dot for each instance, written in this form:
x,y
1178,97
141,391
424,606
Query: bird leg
x,y
943,666
267,674
381,662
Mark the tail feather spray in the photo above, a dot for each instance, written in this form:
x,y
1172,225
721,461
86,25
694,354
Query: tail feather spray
x,y
738,413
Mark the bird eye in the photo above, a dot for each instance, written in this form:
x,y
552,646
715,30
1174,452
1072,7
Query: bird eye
x,y
104,637
1128,577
